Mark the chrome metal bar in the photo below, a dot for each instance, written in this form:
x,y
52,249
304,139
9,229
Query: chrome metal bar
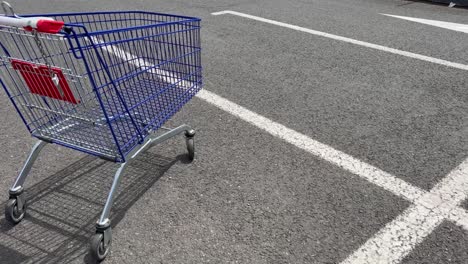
x,y
151,140
36,149
155,139
62,113
104,219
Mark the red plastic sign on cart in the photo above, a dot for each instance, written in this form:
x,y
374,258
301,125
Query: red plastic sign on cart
x,y
39,81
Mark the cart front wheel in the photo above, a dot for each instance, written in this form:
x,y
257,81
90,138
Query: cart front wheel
x,y
99,249
13,213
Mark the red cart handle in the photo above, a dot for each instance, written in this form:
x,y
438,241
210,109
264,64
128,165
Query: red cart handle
x,y
41,24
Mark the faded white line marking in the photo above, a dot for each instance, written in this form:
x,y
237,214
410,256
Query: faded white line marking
x,y
398,237
345,161
341,159
166,76
436,23
392,243
460,217
350,40
396,240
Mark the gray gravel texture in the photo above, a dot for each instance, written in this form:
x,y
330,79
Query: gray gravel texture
x,y
249,197
449,240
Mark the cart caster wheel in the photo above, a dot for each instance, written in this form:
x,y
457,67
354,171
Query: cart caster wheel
x,y
189,136
99,249
13,214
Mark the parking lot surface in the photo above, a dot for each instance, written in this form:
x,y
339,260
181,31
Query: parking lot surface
x,y
322,137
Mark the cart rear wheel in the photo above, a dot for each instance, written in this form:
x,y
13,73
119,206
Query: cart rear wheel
x,y
191,149
189,139
99,249
13,213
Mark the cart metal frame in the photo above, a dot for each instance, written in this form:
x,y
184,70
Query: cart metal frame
x,y
103,225
104,85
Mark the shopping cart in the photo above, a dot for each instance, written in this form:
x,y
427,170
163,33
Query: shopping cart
x,y
102,83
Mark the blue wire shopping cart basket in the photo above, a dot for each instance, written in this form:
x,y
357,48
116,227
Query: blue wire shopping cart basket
x,y
126,73
100,83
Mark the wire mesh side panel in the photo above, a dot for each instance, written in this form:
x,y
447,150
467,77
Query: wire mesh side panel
x,y
65,112
145,67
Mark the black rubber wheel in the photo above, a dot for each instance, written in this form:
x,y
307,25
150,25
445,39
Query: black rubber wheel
x,y
98,250
191,148
13,214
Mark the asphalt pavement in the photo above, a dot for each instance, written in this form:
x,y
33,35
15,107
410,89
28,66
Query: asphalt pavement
x,y
250,196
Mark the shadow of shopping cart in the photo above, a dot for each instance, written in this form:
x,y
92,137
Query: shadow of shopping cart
x,y
62,209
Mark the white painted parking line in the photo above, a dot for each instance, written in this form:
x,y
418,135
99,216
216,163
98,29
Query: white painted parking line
x,y
166,76
392,243
398,237
345,161
436,23
460,217
325,152
349,40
